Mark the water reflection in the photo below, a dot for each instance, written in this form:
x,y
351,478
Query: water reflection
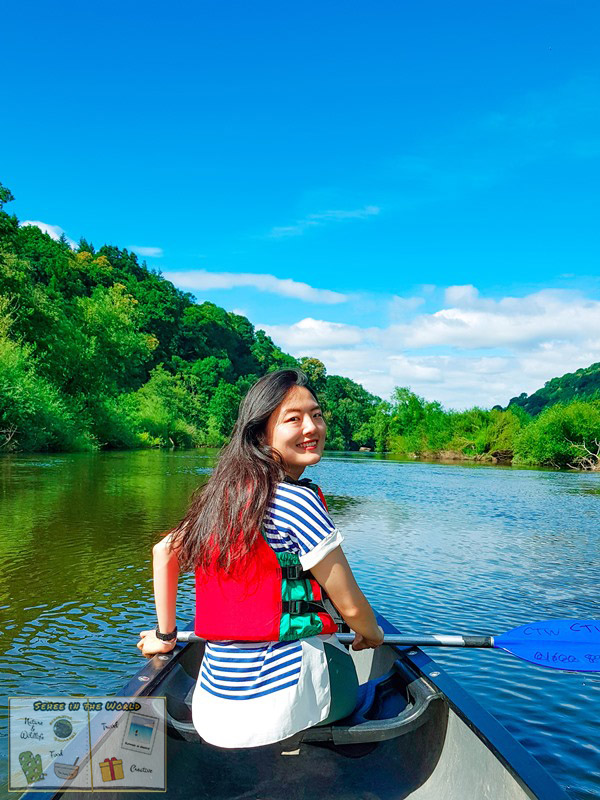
x,y
438,548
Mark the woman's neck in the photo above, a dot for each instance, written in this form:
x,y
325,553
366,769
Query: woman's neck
x,y
294,474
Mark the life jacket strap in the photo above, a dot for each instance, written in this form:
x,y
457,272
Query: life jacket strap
x,y
300,606
292,572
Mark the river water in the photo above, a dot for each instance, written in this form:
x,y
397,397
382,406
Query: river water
x,y
436,548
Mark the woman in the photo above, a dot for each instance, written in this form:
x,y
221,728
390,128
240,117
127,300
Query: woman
x,y
272,666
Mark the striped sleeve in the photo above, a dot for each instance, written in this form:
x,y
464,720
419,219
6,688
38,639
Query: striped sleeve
x,y
298,512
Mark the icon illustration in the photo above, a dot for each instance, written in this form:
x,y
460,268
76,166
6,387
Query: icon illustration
x,y
32,766
62,728
111,769
140,732
66,771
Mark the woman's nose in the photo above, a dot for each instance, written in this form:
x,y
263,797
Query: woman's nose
x,y
309,424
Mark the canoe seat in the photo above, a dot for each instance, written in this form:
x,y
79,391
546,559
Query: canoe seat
x,y
392,705
389,706
378,698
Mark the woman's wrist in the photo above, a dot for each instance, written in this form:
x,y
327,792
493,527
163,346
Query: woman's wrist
x,y
376,633
170,636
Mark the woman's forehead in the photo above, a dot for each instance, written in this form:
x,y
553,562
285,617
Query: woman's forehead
x,y
298,398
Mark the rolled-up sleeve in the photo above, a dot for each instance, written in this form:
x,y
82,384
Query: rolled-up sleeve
x,y
323,549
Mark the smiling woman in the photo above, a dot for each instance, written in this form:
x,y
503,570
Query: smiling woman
x,y
264,551
297,432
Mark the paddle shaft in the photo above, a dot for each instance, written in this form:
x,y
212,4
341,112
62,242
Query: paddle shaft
x,y
431,640
569,644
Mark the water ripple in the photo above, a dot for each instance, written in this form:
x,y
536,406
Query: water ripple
x,y
437,548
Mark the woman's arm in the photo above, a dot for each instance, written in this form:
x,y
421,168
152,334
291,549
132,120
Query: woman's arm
x,y
166,575
334,574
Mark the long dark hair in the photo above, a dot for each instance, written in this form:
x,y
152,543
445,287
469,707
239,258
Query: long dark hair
x,y
226,514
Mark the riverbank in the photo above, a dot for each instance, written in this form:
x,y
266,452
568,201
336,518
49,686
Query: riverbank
x,y
504,457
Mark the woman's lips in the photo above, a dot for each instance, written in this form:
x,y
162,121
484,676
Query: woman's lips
x,y
310,445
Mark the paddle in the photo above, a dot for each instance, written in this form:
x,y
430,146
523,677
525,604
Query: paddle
x,y
569,644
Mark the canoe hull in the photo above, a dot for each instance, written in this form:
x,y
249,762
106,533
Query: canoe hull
x,y
442,746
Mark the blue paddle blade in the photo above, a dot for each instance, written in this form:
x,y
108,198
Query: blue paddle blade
x,y
572,644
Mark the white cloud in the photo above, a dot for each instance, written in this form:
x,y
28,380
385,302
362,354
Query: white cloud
x,y
203,280
492,349
410,370
461,295
399,307
147,252
54,231
510,322
313,220
307,332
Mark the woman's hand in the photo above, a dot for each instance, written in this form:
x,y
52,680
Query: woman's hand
x,y
362,643
150,645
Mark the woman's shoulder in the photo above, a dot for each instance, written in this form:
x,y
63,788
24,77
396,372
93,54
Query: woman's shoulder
x,y
298,502
295,492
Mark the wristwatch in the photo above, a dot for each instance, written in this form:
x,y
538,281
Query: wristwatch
x,y
166,637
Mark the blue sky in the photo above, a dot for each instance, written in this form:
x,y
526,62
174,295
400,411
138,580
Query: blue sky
x,y
408,191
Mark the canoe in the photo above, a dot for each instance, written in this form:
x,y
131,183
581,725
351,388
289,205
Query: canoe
x,y
416,733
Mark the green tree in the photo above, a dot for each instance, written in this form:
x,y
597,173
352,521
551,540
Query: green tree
x,y
223,408
347,407
164,409
554,437
6,196
315,372
268,356
112,351
33,415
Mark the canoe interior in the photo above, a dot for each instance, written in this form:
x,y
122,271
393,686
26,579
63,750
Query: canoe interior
x,y
442,759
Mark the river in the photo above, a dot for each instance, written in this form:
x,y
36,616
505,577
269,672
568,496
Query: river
x,y
436,548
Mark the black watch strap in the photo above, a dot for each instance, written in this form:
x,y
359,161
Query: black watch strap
x,y
166,637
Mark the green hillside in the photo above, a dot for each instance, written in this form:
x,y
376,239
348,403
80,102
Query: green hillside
x,y
98,351
578,385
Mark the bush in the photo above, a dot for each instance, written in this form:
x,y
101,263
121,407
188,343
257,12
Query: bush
x,y
552,438
33,415
164,408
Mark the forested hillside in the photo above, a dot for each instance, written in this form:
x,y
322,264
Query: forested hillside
x,y
98,351
583,383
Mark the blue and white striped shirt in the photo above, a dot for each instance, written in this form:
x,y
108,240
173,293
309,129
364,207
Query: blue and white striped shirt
x,y
295,521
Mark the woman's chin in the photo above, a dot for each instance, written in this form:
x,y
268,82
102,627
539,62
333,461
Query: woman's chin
x,y
306,459
312,458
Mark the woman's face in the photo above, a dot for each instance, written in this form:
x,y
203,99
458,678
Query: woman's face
x,y
296,429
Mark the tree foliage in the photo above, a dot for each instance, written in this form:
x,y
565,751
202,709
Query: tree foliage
x,y
98,351
583,384
555,436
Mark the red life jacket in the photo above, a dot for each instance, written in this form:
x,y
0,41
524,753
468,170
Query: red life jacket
x,y
266,597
